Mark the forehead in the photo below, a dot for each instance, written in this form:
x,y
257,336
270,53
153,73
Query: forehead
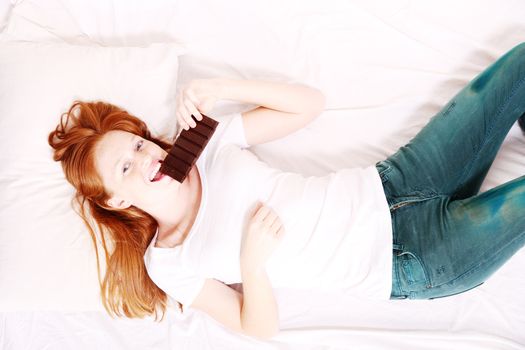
x,y
115,138
111,147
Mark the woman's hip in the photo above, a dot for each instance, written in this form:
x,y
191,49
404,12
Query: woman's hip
x,y
443,247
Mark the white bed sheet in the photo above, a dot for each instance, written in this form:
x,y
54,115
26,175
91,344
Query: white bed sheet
x,y
386,67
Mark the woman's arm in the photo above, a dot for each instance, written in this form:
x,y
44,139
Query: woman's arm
x,y
254,313
282,108
259,310
259,315
284,97
235,311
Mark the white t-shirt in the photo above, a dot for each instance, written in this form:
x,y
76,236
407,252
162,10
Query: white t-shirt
x,y
338,230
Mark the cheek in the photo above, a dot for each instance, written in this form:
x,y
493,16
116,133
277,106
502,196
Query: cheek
x,y
137,177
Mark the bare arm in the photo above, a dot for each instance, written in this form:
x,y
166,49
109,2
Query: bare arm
x,y
259,311
282,108
255,313
259,315
284,97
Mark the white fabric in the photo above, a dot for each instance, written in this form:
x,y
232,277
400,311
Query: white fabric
x,y
385,66
42,236
5,12
338,229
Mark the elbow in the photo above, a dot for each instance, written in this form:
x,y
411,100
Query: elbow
x,y
317,103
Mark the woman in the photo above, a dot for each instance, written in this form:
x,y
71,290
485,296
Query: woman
x,y
411,226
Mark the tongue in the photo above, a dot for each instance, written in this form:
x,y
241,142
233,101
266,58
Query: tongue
x,y
158,176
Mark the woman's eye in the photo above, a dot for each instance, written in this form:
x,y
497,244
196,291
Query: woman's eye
x,y
137,148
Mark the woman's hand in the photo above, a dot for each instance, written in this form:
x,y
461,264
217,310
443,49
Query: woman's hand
x,y
198,96
265,231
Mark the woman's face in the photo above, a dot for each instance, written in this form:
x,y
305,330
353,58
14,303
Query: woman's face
x,y
126,162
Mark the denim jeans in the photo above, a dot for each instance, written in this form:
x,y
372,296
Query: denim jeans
x,y
447,237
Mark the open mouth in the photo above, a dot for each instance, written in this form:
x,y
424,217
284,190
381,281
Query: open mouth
x,y
156,174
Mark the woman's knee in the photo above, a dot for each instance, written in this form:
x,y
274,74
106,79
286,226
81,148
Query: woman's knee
x,y
519,49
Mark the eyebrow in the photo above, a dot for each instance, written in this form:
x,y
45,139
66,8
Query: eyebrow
x,y
116,166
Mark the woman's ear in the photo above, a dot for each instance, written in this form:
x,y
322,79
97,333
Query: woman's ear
x,y
118,203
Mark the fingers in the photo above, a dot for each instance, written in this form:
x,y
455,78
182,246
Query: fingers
x,y
280,232
190,107
277,228
194,103
269,219
261,212
186,110
257,207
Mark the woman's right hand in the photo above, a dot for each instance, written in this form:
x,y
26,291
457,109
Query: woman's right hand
x,y
265,231
196,97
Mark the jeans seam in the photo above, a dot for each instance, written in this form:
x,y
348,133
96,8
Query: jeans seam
x,y
417,199
417,194
401,291
449,109
466,174
463,291
383,173
477,266
423,267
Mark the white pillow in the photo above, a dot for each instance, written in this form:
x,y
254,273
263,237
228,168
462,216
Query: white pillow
x,y
47,258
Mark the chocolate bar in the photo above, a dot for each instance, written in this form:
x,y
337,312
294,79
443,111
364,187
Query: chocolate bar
x,y
187,148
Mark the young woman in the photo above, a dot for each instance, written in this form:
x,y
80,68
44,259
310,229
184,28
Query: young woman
x,y
410,226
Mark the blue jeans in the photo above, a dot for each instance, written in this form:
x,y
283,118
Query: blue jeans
x,y
447,237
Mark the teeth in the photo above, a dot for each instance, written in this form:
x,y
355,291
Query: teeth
x,y
154,172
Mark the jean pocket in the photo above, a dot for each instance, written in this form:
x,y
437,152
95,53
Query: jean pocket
x,y
412,272
383,168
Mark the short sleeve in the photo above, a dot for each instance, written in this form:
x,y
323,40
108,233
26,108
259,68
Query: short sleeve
x,y
230,131
234,131
176,280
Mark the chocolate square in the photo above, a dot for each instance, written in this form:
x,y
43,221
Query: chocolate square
x,y
187,148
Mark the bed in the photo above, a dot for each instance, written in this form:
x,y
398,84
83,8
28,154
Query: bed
x,y
385,67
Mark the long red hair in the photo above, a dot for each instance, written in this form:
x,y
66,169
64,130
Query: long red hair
x,y
126,287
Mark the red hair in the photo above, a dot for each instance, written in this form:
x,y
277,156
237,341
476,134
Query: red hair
x,y
126,287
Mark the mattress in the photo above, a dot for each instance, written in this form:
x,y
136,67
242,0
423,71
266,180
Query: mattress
x,y
385,67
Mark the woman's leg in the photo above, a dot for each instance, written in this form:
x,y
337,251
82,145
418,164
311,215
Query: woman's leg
x,y
445,240
452,154
448,246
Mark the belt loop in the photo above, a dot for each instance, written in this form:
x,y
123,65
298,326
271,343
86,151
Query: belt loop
x,y
398,247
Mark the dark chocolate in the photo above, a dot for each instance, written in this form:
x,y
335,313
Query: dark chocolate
x,y
187,148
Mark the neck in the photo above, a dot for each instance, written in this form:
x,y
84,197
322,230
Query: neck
x,y
170,220
179,217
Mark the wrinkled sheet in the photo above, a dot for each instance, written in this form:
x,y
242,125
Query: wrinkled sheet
x,y
386,67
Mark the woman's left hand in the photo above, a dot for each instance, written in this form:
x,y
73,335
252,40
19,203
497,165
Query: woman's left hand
x,y
198,96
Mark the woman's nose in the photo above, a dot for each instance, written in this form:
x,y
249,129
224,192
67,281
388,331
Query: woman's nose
x,y
145,161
